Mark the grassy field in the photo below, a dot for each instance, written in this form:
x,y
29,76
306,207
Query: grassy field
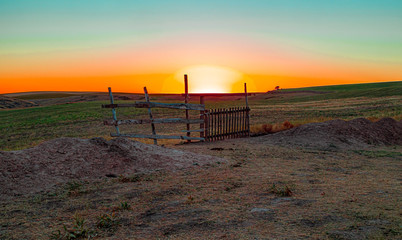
x,y
263,192
353,90
21,128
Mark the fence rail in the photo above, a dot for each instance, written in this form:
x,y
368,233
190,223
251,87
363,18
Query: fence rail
x,y
227,123
156,120
185,106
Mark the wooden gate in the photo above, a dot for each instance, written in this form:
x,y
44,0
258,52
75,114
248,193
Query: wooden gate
x,y
227,123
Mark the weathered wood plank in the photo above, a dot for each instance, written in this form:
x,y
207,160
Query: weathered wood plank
x,y
194,130
118,105
156,136
188,106
202,116
156,120
178,120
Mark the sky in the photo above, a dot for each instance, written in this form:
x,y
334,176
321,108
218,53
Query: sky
x,y
90,45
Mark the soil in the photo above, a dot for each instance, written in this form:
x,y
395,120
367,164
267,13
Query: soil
x,y
65,159
338,134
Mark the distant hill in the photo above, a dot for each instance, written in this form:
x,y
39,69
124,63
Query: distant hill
x,y
383,89
8,102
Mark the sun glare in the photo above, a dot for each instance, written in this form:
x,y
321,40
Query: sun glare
x,y
209,79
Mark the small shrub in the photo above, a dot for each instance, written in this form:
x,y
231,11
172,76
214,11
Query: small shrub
x,y
125,206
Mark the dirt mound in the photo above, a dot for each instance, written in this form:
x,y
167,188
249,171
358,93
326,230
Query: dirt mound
x,y
7,102
334,134
65,159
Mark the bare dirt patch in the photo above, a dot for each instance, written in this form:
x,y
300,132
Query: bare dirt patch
x,y
358,133
65,159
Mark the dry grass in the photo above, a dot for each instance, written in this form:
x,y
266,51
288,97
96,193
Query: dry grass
x,y
259,129
317,195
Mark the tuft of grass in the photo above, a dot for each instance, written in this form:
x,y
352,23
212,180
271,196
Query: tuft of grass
x,y
107,222
125,206
74,188
79,230
190,199
284,191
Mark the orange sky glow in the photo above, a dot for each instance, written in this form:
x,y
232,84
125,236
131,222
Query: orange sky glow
x,y
58,47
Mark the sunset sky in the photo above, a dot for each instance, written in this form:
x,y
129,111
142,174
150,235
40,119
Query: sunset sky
x,y
88,45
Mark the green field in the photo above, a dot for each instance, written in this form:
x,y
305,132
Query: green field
x,y
21,128
369,90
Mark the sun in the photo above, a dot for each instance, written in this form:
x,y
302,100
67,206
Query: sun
x,y
209,78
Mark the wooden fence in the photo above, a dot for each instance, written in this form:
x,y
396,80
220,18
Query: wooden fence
x,y
215,124
148,104
227,123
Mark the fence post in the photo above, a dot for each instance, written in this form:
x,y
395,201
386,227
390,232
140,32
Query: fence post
x,y
202,116
241,121
226,123
237,121
247,110
150,115
113,109
206,125
186,101
211,126
215,124
223,123
219,124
